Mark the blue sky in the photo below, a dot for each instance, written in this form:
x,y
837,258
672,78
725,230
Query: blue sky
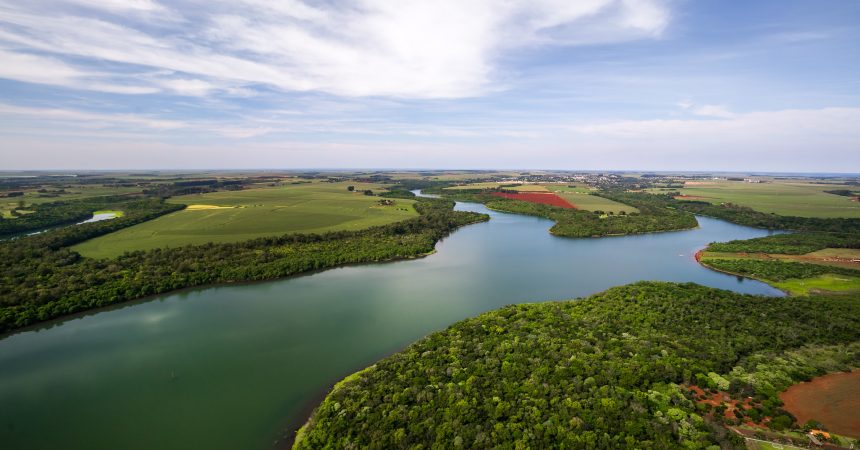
x,y
542,84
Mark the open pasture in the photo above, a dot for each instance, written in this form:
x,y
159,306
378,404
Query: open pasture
x,y
788,198
234,216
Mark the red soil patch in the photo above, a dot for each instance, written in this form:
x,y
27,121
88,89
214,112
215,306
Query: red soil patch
x,y
721,398
833,400
544,198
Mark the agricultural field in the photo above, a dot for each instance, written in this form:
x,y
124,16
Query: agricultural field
x,y
486,185
528,188
595,203
234,216
780,197
573,188
831,399
55,194
542,198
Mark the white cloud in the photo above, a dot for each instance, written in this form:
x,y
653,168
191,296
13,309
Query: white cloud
x,y
719,111
410,48
84,119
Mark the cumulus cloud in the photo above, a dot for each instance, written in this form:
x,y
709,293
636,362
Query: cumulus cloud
x,y
408,49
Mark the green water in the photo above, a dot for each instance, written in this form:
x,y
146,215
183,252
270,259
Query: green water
x,y
232,367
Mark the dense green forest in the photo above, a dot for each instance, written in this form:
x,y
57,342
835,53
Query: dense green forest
x,y
654,216
602,372
43,279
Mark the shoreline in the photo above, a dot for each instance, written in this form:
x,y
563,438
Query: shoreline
x,y
47,324
598,236
698,257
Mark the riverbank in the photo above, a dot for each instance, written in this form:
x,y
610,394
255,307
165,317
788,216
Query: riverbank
x,y
535,338
249,358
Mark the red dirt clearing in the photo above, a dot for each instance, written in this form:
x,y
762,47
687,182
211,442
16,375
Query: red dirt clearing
x,y
833,400
544,198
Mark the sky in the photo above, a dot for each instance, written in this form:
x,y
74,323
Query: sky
x,y
714,85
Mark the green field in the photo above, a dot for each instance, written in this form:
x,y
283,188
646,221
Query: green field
x,y
824,284
578,188
73,192
595,203
779,197
233,216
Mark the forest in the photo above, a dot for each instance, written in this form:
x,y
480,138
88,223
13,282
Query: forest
x,y
607,371
43,279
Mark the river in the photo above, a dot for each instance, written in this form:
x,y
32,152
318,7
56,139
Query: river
x,y
230,367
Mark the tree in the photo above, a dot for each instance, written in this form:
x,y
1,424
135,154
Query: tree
x,y
368,192
350,188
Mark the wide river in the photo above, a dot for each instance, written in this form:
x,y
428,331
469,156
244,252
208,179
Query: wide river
x,y
232,367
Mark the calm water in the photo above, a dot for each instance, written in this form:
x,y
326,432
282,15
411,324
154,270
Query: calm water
x,y
229,367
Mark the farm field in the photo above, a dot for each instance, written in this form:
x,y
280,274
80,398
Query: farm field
x,y
543,198
578,188
74,192
594,203
528,188
234,216
783,198
483,185
832,399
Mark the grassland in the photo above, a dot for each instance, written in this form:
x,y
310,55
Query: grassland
x,y
824,284
234,216
779,197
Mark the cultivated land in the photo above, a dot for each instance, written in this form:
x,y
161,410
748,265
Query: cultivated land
x,y
800,199
235,216
56,193
595,203
833,399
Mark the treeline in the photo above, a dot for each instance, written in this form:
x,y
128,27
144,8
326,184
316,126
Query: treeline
x,y
603,372
775,270
789,244
747,216
654,216
43,279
